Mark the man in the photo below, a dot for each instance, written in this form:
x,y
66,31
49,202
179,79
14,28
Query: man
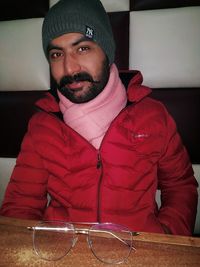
x,y
102,160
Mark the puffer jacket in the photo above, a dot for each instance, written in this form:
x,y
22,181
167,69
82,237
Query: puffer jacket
x,y
140,152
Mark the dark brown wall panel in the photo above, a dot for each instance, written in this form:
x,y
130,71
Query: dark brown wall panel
x,y
120,26
157,4
23,9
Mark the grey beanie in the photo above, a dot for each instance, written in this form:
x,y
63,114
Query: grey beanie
x,y
83,16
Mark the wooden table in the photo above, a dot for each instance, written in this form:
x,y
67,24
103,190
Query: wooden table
x,y
152,249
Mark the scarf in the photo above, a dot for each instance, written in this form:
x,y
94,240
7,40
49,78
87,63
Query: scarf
x,y
92,119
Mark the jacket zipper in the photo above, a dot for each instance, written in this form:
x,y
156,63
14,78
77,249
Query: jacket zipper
x,y
99,167
99,160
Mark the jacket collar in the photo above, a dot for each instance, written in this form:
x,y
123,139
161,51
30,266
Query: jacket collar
x,y
136,91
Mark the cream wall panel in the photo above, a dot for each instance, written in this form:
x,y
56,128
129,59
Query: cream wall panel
x,y
116,5
196,168
165,46
22,61
6,167
52,2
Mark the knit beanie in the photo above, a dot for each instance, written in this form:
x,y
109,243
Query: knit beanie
x,y
81,16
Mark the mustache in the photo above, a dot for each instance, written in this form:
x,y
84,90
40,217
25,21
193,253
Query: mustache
x,y
79,77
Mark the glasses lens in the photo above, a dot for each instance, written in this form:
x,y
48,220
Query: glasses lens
x,y
110,243
53,240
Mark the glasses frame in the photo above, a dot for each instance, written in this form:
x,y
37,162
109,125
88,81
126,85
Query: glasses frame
x,y
84,231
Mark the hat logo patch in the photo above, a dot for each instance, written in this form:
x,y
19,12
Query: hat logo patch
x,y
89,32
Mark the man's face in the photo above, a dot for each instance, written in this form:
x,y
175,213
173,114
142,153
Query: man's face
x,y
79,67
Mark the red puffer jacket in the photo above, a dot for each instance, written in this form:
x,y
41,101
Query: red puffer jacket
x,y
140,152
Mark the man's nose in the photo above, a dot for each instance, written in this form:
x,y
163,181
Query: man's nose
x,y
71,65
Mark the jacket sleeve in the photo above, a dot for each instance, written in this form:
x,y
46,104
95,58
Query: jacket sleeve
x,y
26,194
177,184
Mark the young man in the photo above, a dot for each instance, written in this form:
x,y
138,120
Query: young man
x,y
103,160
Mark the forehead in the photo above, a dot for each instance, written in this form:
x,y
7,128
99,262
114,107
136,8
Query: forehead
x,y
70,39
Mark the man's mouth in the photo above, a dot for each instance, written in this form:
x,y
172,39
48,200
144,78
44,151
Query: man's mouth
x,y
77,81
75,85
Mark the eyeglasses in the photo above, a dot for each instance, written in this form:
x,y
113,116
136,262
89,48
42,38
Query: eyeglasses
x,y
110,243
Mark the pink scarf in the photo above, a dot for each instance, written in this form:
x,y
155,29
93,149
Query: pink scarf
x,y
92,119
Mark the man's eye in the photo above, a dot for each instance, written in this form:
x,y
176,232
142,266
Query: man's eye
x,y
55,55
83,48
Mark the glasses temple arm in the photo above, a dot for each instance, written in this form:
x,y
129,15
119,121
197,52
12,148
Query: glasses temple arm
x,y
117,237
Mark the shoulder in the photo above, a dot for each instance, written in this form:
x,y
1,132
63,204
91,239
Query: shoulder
x,y
148,105
44,117
44,126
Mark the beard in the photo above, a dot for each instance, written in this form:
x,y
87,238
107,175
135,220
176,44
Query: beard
x,y
94,88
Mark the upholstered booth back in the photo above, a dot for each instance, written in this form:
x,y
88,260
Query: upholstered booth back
x,y
160,38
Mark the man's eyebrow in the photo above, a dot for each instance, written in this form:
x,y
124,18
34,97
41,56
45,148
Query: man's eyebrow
x,y
51,46
77,42
82,39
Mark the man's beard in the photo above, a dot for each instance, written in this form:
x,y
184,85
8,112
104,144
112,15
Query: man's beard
x,y
92,91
